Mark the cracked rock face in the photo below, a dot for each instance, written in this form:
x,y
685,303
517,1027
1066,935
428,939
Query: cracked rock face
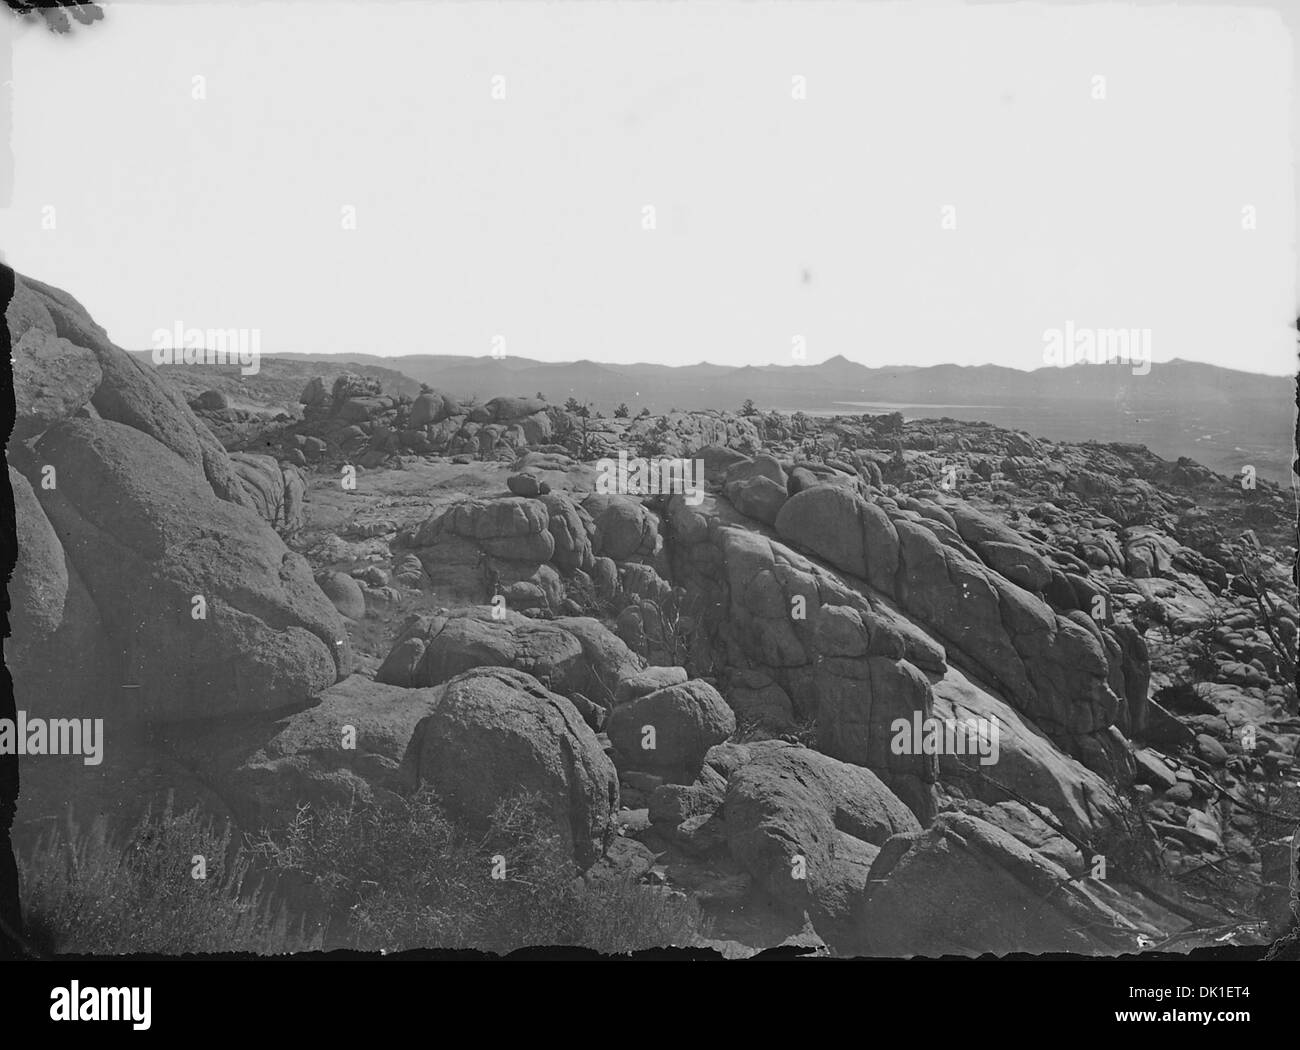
x,y
931,891
1053,668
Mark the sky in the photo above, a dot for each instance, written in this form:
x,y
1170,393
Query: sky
x,y
897,183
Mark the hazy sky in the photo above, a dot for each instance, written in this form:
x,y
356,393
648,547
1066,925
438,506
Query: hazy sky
x,y
775,217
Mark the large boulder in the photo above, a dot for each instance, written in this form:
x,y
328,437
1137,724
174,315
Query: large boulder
x,y
526,485
623,527
510,409
433,406
211,401
718,461
841,527
511,527
807,827
497,733
757,497
648,681
211,612
129,392
571,529
314,393
670,729
569,654
58,651
966,887
344,592
763,466
361,409
538,429
53,379
347,745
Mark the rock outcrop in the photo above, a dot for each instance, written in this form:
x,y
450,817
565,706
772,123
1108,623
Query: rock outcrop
x,y
154,589
210,612
568,654
963,887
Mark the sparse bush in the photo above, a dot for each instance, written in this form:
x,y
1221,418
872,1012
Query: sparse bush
x,y
1149,613
1251,579
349,385
672,632
655,443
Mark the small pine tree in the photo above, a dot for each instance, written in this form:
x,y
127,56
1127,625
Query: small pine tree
x,y
622,412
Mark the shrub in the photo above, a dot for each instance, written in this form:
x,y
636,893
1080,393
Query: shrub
x,y
349,385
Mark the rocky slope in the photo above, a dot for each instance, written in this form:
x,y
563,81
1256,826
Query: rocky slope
x,y
704,691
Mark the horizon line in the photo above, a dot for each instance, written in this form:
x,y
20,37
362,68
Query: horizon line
x,y
772,365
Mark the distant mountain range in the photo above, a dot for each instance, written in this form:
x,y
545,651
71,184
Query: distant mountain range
x,y
834,381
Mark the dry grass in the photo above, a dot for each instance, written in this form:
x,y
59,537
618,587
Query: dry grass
x,y
361,876
83,893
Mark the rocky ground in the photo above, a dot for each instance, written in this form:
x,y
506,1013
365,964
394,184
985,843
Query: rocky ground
x,y
704,691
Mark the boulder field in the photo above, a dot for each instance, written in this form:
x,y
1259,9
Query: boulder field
x,y
705,693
